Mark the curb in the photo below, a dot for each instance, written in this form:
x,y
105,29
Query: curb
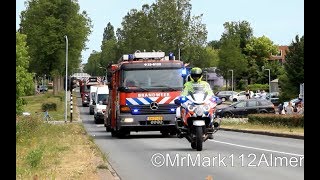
x,y
265,133
112,171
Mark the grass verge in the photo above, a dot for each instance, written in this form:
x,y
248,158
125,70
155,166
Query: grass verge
x,y
243,124
54,151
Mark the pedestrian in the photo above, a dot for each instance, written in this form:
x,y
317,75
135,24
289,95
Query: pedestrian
x,y
280,108
300,109
248,94
263,95
289,108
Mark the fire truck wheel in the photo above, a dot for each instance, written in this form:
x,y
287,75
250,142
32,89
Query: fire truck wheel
x,y
113,133
164,133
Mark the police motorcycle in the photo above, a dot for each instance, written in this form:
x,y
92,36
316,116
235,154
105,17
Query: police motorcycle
x,y
195,118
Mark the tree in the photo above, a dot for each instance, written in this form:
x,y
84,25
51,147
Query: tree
x,y
109,49
165,25
214,44
231,58
258,51
46,22
240,29
294,68
93,64
108,33
24,79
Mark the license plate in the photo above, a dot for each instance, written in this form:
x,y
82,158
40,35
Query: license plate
x,y
155,118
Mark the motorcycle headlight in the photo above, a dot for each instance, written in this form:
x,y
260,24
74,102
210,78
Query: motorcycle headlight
x,y
206,107
191,107
199,111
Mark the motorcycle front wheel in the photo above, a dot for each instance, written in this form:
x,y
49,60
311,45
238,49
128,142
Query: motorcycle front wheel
x,y
199,138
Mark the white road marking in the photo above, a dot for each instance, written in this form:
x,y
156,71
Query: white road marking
x,y
261,149
100,125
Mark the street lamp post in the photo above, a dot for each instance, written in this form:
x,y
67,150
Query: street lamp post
x,y
231,79
179,47
66,106
269,78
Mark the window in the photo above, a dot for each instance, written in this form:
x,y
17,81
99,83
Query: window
x,y
155,78
279,53
252,103
241,104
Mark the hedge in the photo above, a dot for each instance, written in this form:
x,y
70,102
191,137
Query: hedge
x,y
277,119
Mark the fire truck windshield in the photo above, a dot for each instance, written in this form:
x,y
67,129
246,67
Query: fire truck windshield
x,y
153,78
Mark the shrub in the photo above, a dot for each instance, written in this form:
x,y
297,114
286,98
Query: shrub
x,y
277,119
49,106
255,87
34,157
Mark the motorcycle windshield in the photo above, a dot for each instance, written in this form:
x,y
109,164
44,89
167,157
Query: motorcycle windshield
x,y
198,97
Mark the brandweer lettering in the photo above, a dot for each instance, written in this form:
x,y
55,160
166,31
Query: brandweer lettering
x,y
154,95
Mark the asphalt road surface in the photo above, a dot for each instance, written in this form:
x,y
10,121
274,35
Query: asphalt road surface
x,y
230,155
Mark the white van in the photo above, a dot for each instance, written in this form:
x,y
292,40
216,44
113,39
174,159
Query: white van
x,y
93,90
100,103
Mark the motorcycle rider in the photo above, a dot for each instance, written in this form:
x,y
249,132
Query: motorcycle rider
x,y
197,83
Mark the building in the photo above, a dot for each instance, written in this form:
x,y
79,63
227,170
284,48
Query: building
x,y
212,77
281,55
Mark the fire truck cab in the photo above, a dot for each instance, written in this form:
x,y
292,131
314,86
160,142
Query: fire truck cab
x,y
143,87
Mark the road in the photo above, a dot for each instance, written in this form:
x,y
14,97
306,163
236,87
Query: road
x,y
230,155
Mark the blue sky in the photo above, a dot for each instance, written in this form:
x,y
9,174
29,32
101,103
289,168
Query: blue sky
x,y
280,20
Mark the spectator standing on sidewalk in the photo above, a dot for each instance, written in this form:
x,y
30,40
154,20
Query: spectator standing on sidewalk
x,y
300,109
248,94
280,108
289,108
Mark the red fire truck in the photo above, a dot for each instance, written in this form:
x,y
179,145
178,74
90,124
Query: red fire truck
x,y
143,86
84,85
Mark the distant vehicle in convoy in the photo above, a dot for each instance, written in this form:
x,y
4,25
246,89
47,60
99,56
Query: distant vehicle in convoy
x,y
85,88
92,95
100,103
245,107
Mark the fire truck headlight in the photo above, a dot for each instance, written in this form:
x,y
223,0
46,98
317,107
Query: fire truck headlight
x,y
172,109
127,120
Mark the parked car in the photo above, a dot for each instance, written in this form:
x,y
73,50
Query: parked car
x,y
274,98
225,95
238,96
245,107
42,88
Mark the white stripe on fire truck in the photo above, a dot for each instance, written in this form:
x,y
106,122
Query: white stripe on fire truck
x,y
147,100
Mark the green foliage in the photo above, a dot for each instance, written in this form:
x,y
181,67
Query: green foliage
x,y
277,119
231,58
24,79
255,87
46,23
34,157
260,49
49,107
93,63
167,26
241,30
241,84
294,67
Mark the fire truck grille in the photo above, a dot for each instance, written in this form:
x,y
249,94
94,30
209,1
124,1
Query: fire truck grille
x,y
162,109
